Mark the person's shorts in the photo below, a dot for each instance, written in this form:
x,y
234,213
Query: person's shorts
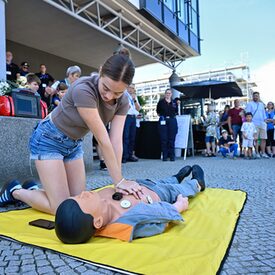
x,y
49,143
248,143
261,133
209,139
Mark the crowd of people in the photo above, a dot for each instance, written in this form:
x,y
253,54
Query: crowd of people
x,y
231,131
50,90
249,129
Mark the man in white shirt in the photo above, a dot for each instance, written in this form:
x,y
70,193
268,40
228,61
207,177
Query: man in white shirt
x,y
257,108
129,132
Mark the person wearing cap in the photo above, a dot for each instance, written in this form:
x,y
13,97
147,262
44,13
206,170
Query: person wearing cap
x,y
227,145
24,69
108,213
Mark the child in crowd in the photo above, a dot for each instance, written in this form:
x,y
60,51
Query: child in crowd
x,y
227,145
249,133
211,123
33,83
61,91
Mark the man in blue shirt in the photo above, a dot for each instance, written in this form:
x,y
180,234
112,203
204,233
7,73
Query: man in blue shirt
x,y
110,214
257,109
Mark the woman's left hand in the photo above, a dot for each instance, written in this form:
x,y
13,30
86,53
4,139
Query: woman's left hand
x,y
130,187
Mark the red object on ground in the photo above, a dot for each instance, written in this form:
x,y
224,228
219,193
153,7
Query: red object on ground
x,y
6,106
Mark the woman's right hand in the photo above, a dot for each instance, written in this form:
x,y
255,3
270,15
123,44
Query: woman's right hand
x,y
129,187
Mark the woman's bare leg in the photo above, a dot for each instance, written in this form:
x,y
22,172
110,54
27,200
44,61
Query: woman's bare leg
x,y
76,176
53,178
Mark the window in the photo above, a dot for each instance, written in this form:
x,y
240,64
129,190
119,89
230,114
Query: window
x,y
171,4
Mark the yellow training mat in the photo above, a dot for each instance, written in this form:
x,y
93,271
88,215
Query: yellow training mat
x,y
196,246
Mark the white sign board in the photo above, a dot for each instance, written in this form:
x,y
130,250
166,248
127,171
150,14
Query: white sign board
x,y
183,131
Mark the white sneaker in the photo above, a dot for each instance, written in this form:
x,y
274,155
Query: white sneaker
x,y
257,156
265,156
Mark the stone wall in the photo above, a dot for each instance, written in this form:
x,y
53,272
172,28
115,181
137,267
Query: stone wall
x,y
14,153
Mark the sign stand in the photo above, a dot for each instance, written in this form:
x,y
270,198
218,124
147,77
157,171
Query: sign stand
x,y
184,137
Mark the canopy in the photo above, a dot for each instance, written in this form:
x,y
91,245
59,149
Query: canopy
x,y
212,89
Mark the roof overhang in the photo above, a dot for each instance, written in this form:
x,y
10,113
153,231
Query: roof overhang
x,y
88,31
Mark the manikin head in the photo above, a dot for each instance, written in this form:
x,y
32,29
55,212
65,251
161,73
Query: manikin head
x,y
78,218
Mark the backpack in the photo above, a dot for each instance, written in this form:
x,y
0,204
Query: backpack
x,y
6,106
10,105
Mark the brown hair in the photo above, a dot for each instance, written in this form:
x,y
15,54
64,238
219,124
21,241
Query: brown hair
x,y
119,67
31,77
62,86
122,50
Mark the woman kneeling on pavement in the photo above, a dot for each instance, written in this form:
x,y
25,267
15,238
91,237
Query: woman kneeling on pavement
x,y
56,143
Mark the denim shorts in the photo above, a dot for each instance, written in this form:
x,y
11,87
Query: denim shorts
x,y
209,139
49,143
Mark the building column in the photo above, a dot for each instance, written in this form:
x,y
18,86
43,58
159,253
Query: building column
x,y
2,41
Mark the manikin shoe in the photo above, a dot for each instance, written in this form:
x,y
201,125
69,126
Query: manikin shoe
x,y
30,184
183,173
6,192
198,174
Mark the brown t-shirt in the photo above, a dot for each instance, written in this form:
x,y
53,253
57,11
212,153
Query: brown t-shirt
x,y
84,93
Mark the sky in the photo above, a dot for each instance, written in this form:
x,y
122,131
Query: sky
x,y
233,32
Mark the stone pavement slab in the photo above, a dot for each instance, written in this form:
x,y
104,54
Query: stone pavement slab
x,y
253,247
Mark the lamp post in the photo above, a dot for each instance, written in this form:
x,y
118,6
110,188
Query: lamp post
x,y
173,80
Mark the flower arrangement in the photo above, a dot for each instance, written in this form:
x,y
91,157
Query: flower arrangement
x,y
5,88
21,82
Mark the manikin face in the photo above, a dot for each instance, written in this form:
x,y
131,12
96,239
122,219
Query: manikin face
x,y
110,89
34,86
90,203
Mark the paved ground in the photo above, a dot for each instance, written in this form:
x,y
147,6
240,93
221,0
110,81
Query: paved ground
x,y
253,247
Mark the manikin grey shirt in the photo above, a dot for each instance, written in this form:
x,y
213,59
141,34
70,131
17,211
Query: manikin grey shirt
x,y
84,93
